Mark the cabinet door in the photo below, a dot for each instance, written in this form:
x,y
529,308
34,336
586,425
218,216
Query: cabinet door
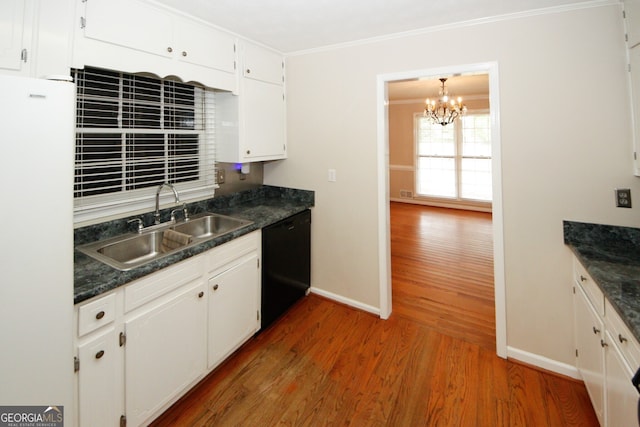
x,y
200,44
130,23
12,30
100,392
263,112
165,352
634,60
262,64
233,308
632,21
590,360
622,396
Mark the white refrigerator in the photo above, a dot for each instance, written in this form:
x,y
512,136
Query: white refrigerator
x,y
36,242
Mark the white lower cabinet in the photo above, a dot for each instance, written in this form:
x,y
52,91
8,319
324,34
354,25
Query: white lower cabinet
x,y
590,353
165,352
233,308
100,384
622,396
144,345
606,351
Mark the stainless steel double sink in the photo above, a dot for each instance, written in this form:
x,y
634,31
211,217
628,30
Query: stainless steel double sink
x,y
132,250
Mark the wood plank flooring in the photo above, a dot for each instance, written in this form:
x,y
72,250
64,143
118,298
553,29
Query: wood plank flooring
x,y
442,270
327,364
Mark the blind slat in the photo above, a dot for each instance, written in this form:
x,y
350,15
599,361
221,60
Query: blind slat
x,y
134,132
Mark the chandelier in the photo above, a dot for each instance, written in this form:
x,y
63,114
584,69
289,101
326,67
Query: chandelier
x,y
444,111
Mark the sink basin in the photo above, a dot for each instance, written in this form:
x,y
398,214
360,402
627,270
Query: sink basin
x,y
131,250
209,225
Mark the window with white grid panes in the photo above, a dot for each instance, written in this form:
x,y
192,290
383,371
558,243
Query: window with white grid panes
x,y
454,161
136,132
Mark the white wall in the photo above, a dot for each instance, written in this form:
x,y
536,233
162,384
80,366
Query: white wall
x,y
566,145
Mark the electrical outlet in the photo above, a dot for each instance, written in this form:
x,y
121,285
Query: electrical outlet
x,y
623,197
220,177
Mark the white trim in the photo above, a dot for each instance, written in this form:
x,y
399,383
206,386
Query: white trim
x,y
346,301
544,363
384,242
458,25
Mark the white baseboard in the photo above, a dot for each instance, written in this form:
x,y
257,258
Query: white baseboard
x,y
544,363
346,301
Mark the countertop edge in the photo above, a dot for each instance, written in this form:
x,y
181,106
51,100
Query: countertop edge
x,y
93,278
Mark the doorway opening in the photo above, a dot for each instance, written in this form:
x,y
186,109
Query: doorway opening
x,y
411,81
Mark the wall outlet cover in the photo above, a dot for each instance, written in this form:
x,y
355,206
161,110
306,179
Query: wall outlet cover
x,y
623,197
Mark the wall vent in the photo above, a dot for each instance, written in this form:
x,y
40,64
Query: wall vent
x,y
407,194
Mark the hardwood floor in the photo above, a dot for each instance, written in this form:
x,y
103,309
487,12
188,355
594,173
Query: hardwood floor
x,y
442,270
327,364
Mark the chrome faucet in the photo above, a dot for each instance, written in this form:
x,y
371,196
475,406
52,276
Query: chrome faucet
x,y
175,193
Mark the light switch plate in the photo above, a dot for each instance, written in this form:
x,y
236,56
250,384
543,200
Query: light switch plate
x,y
623,197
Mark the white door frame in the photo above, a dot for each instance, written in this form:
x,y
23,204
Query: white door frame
x,y
384,243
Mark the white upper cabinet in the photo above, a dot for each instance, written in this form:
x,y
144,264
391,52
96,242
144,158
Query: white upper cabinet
x,y
632,21
15,35
141,27
253,126
139,36
202,45
262,64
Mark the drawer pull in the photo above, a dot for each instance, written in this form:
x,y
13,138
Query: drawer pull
x,y
169,49
200,294
622,339
100,315
215,287
603,344
99,354
184,53
582,278
596,330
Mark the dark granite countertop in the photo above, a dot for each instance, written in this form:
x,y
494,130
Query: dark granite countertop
x,y
611,255
264,206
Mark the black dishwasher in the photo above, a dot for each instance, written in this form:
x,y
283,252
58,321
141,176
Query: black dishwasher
x,y
286,264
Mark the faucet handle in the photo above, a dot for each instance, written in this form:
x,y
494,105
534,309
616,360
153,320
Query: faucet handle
x,y
184,212
140,223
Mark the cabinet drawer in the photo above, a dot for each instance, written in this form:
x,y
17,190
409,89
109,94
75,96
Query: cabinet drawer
x,y
96,314
161,282
622,336
595,295
232,250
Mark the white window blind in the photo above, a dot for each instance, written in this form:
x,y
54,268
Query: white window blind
x,y
454,161
135,132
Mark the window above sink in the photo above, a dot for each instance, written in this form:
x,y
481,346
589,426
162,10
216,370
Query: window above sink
x,y
135,132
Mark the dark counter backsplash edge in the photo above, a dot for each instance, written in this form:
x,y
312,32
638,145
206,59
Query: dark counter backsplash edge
x,y
107,229
613,236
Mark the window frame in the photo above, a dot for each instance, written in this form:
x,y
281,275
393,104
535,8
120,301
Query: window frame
x,y
95,208
457,157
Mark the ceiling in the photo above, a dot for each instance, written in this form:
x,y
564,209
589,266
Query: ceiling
x,y
466,86
297,25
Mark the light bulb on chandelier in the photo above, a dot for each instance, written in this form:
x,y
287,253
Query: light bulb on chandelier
x,y
444,111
